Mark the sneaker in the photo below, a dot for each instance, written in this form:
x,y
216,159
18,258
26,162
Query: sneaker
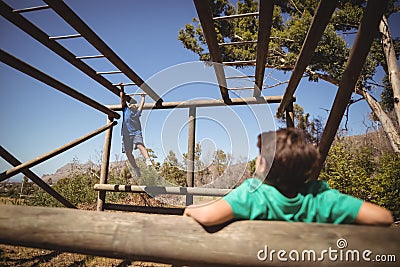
x,y
137,172
148,162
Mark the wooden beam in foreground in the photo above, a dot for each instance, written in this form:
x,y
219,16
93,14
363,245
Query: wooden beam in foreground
x,y
181,240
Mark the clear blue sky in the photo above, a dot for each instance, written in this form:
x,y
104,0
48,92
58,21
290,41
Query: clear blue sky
x,y
37,119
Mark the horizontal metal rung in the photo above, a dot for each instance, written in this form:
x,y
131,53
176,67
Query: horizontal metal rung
x,y
244,62
241,88
125,84
29,9
109,72
65,37
136,94
240,77
237,16
90,57
238,43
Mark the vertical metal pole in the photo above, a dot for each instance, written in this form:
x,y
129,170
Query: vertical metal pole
x,y
101,199
289,115
191,146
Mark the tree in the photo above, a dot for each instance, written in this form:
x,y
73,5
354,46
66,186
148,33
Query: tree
x,y
171,170
364,172
198,164
291,20
312,127
220,160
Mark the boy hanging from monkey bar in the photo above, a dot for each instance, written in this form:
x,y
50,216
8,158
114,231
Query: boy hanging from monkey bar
x,y
131,130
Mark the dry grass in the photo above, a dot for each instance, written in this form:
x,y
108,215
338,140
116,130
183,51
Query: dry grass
x,y
11,256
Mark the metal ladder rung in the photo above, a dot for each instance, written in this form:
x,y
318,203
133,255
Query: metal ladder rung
x,y
240,77
237,16
244,62
238,43
125,84
240,88
90,57
29,9
109,72
65,36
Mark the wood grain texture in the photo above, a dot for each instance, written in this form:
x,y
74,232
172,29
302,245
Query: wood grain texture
x,y
180,240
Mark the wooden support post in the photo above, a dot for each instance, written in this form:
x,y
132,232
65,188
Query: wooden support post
x,y
289,116
181,240
101,197
190,157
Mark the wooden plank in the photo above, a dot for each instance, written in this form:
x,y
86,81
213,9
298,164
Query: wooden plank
x,y
144,209
367,31
264,32
208,103
207,24
181,240
314,34
33,162
163,190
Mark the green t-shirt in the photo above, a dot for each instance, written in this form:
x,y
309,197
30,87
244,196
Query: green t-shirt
x,y
316,202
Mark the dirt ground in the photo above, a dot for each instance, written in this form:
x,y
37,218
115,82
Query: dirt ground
x,y
11,256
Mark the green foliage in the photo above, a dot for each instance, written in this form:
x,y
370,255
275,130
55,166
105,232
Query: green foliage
x,y
172,171
360,172
220,161
313,128
253,166
387,183
291,21
343,172
78,189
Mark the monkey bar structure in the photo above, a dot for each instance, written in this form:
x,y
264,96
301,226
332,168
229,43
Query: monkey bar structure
x,y
237,244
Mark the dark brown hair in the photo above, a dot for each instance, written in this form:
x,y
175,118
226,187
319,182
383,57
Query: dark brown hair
x,y
292,156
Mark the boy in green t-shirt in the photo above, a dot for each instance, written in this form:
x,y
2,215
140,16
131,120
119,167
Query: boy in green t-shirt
x,y
285,162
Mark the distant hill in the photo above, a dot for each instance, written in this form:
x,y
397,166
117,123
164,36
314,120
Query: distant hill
x,y
65,171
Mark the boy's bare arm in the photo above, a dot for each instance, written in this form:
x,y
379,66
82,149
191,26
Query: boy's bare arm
x,y
122,95
212,213
372,214
142,102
